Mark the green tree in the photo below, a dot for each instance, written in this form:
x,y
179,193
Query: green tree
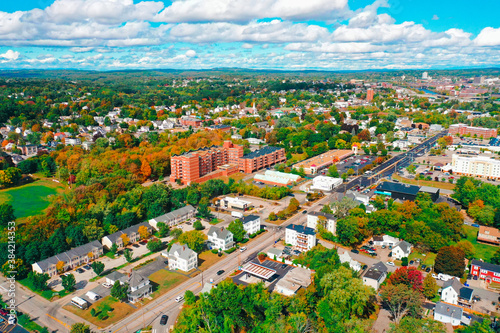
x,y
97,267
450,260
119,291
80,328
197,225
467,248
348,232
333,172
189,297
68,282
236,228
194,239
415,325
411,169
401,300
39,281
176,233
163,229
430,287
203,210
114,248
154,245
496,258
476,327
6,214
15,265
127,253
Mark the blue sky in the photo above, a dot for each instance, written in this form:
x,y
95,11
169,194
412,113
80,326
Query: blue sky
x,y
280,34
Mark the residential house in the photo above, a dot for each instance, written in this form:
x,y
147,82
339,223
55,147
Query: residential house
x,y
489,235
401,249
87,145
293,280
301,237
385,240
454,292
28,150
353,264
138,286
71,259
220,238
132,233
485,271
73,141
251,224
375,275
328,221
447,313
181,257
174,217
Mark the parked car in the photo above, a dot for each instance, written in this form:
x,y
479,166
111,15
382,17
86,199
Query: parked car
x,y
423,267
354,251
243,249
283,266
135,245
220,272
87,267
383,246
80,270
434,276
411,262
304,212
107,285
3,312
179,299
163,320
390,263
428,269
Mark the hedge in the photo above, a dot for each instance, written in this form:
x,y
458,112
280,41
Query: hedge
x,y
231,250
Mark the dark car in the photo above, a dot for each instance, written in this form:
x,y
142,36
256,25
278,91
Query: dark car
x,y
220,272
475,277
411,262
135,245
87,267
79,270
428,269
163,320
284,266
304,212
354,251
423,267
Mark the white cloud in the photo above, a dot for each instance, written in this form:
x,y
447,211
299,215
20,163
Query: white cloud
x,y
435,17
10,55
191,53
247,46
488,37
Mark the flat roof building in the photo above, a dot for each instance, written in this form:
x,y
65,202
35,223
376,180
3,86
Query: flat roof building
x,y
398,191
478,166
462,129
260,271
293,280
277,178
325,183
262,158
312,165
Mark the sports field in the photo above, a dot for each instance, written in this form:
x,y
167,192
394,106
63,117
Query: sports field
x,y
30,199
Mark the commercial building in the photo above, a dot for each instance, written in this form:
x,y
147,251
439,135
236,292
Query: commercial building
x,y
194,122
277,178
485,271
174,217
235,203
328,221
313,165
478,166
325,183
181,257
489,235
260,271
191,166
262,158
375,275
432,191
369,95
71,259
220,238
462,129
251,224
293,280
302,238
398,191
130,233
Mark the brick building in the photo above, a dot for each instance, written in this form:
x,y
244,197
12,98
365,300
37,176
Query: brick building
x,y
262,158
463,129
194,122
369,95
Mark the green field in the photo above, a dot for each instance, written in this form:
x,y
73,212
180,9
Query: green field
x,y
30,199
483,251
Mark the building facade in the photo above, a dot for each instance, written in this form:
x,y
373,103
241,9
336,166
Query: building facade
x,y
303,238
132,233
220,238
485,271
375,275
182,257
462,129
262,158
174,217
476,166
328,220
251,224
489,235
401,249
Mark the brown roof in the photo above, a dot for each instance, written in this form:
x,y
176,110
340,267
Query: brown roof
x,y
489,231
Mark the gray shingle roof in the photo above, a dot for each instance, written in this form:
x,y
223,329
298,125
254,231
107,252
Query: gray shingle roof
x,y
133,229
327,216
183,251
249,218
376,271
261,152
66,256
449,310
175,214
220,232
404,245
301,229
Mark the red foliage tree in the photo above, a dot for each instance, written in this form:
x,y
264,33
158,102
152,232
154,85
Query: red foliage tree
x,y
409,276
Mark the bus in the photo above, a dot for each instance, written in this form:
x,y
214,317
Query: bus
x,y
79,303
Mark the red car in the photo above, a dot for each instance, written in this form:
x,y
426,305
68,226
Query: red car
x,y
3,312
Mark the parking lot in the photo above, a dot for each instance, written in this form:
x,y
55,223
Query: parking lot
x,y
349,163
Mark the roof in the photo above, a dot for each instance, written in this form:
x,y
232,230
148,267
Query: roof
x,y
453,283
66,256
486,266
220,232
259,270
325,215
261,152
115,276
399,188
136,279
249,218
275,251
295,278
301,229
376,271
489,231
404,245
429,189
175,214
183,252
448,310
466,293
133,229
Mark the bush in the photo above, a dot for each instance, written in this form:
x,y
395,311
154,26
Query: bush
x,y
215,251
231,250
253,235
244,240
404,261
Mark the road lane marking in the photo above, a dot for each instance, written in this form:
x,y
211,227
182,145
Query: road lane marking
x,y
59,321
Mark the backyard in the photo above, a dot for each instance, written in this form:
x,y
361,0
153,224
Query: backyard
x,y
113,309
30,199
164,280
425,258
483,251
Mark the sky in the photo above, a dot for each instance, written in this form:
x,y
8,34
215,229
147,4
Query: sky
x,y
257,34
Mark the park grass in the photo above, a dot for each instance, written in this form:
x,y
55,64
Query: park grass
x,y
483,251
25,321
427,259
441,185
30,199
120,311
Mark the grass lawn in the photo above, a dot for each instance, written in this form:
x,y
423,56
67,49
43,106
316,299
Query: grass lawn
x,y
119,311
483,251
164,280
237,177
441,185
427,259
25,321
30,199
47,294
207,259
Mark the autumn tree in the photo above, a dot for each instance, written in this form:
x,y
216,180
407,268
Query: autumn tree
x,y
401,300
125,239
467,247
409,276
60,266
194,239
145,169
430,287
143,231
450,260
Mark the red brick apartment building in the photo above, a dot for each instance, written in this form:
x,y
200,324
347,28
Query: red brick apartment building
x,y
194,122
463,129
213,162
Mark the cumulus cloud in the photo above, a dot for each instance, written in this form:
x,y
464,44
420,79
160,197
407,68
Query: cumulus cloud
x,y
10,55
488,37
191,53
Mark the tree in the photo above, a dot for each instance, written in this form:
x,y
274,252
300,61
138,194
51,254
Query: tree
x,y
333,172
97,267
15,265
197,225
68,282
203,210
189,297
60,266
119,291
414,325
467,247
430,287
476,327
411,169
176,233
237,229
39,281
163,229
272,216
145,169
6,214
80,328
401,300
114,248
496,258
127,253
154,245
341,208
143,231
194,239
450,260
409,276
125,240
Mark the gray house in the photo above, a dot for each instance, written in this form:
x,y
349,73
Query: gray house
x,y
131,232
138,286
174,217
375,275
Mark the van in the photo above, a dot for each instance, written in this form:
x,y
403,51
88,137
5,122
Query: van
x,y
92,295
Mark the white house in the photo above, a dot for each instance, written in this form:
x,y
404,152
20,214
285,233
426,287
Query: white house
x,y
293,280
181,257
274,253
385,240
329,221
138,286
345,257
220,238
447,313
401,249
251,224
375,275
303,238
454,292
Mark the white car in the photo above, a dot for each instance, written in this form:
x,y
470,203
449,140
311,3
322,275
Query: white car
x,y
107,285
243,249
179,299
390,263
435,276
